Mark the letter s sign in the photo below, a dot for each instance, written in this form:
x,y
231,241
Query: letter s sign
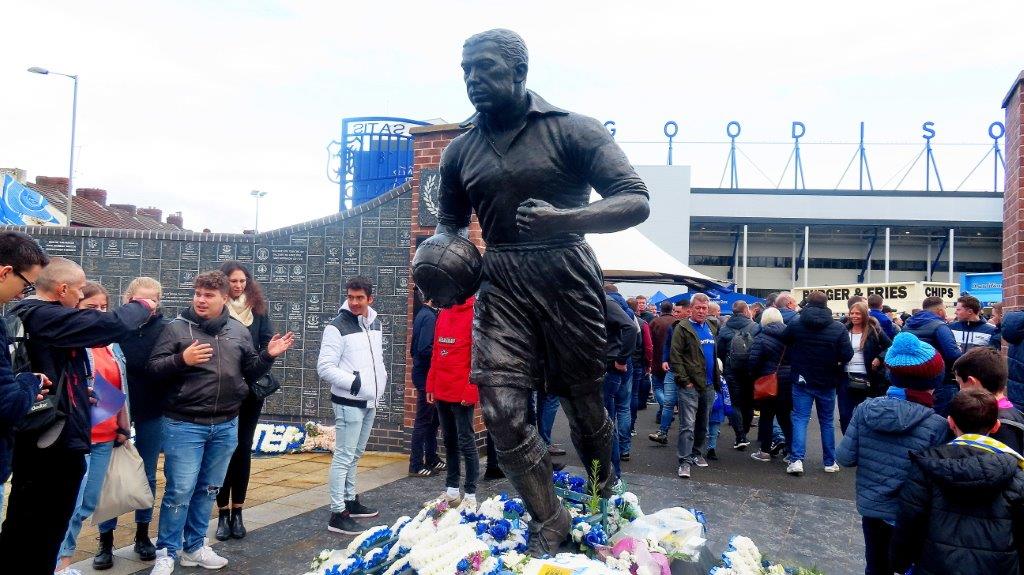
x,y
929,133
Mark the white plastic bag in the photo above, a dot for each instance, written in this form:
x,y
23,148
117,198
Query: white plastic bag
x,y
125,488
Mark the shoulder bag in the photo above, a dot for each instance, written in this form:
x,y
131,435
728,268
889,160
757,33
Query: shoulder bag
x,y
767,386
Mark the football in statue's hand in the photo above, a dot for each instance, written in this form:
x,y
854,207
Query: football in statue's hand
x,y
447,269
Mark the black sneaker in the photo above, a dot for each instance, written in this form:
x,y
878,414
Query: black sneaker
x,y
343,523
712,455
357,509
624,457
776,448
659,437
741,443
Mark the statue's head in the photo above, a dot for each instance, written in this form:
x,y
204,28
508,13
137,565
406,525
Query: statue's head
x,y
494,66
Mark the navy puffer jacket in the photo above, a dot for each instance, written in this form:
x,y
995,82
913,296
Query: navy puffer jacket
x,y
819,347
960,513
1012,331
882,433
766,353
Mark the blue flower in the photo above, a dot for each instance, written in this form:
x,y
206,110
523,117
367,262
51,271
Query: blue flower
x,y
514,506
481,528
463,565
594,538
500,529
576,484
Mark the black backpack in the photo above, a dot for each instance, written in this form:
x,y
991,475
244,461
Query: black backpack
x,y
739,351
17,339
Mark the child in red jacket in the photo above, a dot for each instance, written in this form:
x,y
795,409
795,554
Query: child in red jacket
x,y
448,386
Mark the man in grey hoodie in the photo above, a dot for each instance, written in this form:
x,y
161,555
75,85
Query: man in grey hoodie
x,y
352,361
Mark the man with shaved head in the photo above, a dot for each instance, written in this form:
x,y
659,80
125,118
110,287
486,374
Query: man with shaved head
x,y
49,464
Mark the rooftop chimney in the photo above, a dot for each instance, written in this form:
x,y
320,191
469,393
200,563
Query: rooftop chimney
x,y
52,181
175,220
95,194
125,207
155,213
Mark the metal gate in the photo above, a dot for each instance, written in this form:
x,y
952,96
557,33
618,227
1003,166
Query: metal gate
x,y
374,155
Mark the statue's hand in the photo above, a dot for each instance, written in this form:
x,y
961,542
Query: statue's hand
x,y
539,219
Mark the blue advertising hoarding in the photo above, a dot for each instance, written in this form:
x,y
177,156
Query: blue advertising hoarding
x,y
986,287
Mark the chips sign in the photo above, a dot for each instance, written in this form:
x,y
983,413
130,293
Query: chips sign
x,y
901,296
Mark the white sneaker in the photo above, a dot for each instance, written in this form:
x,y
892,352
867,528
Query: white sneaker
x,y
203,557
164,564
469,501
795,468
834,468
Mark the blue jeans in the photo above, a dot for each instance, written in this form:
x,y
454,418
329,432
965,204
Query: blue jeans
x,y
944,394
196,460
824,401
694,410
614,382
658,385
668,401
352,427
713,430
547,409
149,440
623,413
89,494
638,391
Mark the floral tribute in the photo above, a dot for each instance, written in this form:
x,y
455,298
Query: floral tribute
x,y
271,439
609,537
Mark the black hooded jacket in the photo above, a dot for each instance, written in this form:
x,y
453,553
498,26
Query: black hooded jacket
x,y
819,346
57,338
961,512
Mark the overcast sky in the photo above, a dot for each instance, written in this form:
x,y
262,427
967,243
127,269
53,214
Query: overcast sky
x,y
190,105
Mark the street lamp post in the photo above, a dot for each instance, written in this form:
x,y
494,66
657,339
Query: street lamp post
x,y
257,194
74,120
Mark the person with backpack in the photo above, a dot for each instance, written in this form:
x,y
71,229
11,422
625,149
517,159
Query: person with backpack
x,y
929,325
21,261
865,374
733,349
985,367
57,332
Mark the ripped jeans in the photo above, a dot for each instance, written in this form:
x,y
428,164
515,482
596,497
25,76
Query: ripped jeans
x,y
196,459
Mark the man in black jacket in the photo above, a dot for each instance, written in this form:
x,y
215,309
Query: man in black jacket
x,y
619,346
734,368
423,458
819,347
49,466
205,357
21,261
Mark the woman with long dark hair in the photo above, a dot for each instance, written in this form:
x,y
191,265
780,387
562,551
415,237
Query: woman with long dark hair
x,y
865,373
247,305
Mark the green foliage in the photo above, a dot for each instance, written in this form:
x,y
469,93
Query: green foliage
x,y
593,489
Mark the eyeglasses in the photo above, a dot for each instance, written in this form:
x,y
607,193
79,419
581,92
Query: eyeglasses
x,y
29,286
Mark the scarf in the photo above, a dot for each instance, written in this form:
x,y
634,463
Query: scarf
x,y
240,310
986,443
210,326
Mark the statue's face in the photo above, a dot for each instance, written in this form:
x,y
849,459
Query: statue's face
x,y
490,81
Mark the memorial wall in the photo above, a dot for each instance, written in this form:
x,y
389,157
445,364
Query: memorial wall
x,y
302,269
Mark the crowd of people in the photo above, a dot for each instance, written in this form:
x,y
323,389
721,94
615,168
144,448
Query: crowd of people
x,y
186,387
928,409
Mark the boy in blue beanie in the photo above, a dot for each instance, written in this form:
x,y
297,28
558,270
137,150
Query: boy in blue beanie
x,y
882,433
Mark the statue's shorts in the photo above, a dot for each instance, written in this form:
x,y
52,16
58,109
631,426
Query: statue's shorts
x,y
539,320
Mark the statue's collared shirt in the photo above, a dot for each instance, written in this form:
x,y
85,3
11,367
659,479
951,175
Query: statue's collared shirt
x,y
556,156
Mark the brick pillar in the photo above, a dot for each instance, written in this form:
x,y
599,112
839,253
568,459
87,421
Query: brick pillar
x,y
428,142
1013,198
